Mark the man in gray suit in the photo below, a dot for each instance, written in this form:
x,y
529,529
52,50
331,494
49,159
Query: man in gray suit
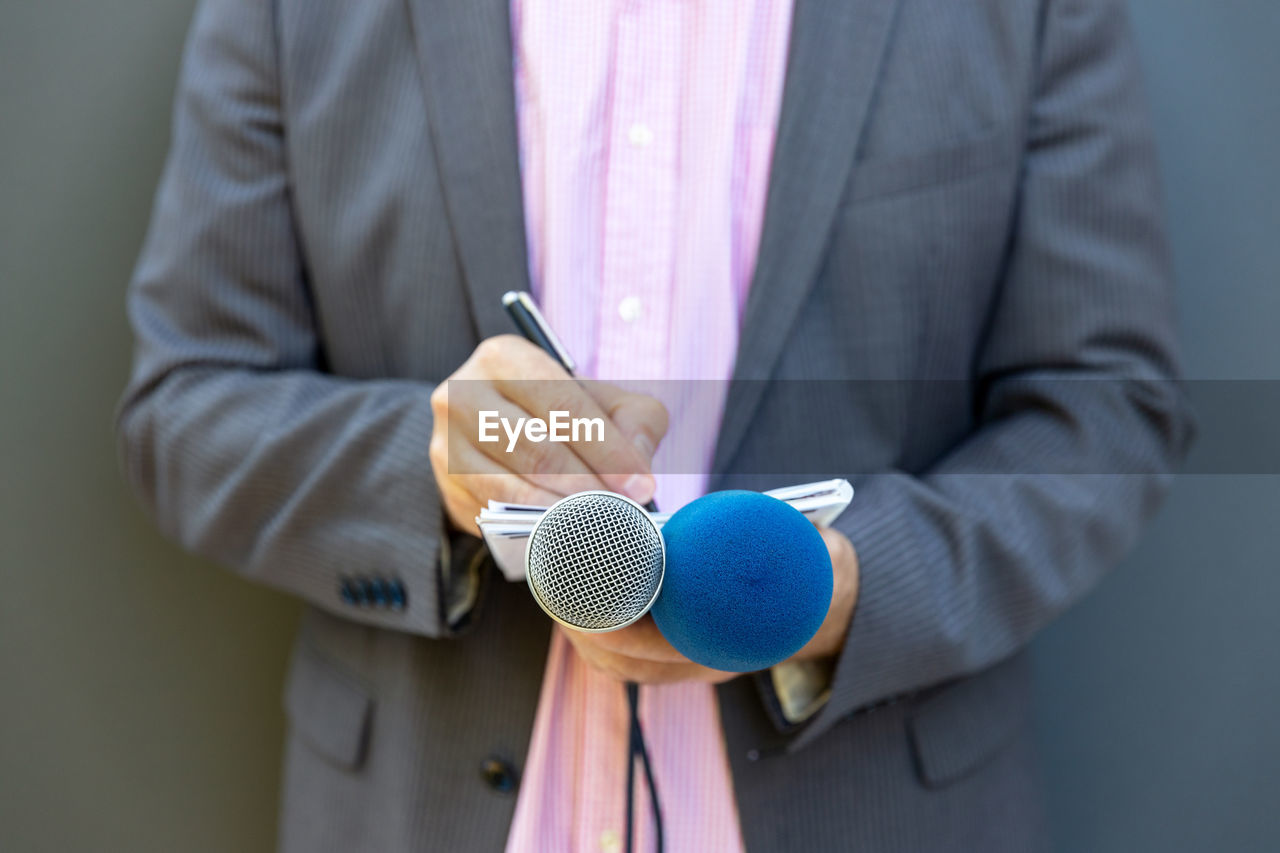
x,y
962,232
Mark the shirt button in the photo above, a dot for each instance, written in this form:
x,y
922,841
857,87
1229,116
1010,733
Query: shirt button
x,y
640,134
610,841
629,309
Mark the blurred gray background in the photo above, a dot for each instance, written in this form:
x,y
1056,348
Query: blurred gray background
x,y
140,702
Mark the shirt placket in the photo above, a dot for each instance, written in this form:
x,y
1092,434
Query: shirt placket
x,y
640,193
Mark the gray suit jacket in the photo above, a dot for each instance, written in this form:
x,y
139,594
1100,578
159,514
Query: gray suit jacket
x,y
963,218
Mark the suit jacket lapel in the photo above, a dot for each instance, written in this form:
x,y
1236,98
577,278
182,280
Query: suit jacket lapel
x,y
464,54
835,54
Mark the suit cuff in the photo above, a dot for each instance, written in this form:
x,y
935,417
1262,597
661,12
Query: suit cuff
x,y
801,688
462,574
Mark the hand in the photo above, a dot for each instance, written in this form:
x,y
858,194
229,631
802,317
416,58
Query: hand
x,y
829,640
515,378
641,654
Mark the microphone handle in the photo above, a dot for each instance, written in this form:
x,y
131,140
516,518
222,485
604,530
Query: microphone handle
x,y
637,748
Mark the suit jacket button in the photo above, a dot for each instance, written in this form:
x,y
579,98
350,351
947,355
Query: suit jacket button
x,y
379,592
498,774
349,591
359,592
398,595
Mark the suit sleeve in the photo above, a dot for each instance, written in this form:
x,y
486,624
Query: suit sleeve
x,y
1081,419
239,444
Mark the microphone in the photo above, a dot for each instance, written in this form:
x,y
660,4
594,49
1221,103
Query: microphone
x,y
596,561
566,588
748,581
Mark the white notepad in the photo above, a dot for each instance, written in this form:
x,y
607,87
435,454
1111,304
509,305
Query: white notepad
x,y
506,527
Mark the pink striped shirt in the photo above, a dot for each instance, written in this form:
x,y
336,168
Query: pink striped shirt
x,y
646,133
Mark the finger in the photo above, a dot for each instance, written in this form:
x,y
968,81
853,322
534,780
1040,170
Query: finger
x,y
641,640
531,379
460,505
640,417
511,357
839,548
485,480
458,402
642,671
601,446
600,660
552,467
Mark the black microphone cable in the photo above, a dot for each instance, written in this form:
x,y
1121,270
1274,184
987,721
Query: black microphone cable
x,y
636,748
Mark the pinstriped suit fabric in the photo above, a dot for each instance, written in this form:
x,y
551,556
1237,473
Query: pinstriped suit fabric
x,y
960,190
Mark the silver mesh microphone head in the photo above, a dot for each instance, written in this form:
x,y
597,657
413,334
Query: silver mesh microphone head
x,y
595,561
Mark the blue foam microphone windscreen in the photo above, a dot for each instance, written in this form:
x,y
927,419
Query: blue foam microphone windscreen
x,y
747,584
